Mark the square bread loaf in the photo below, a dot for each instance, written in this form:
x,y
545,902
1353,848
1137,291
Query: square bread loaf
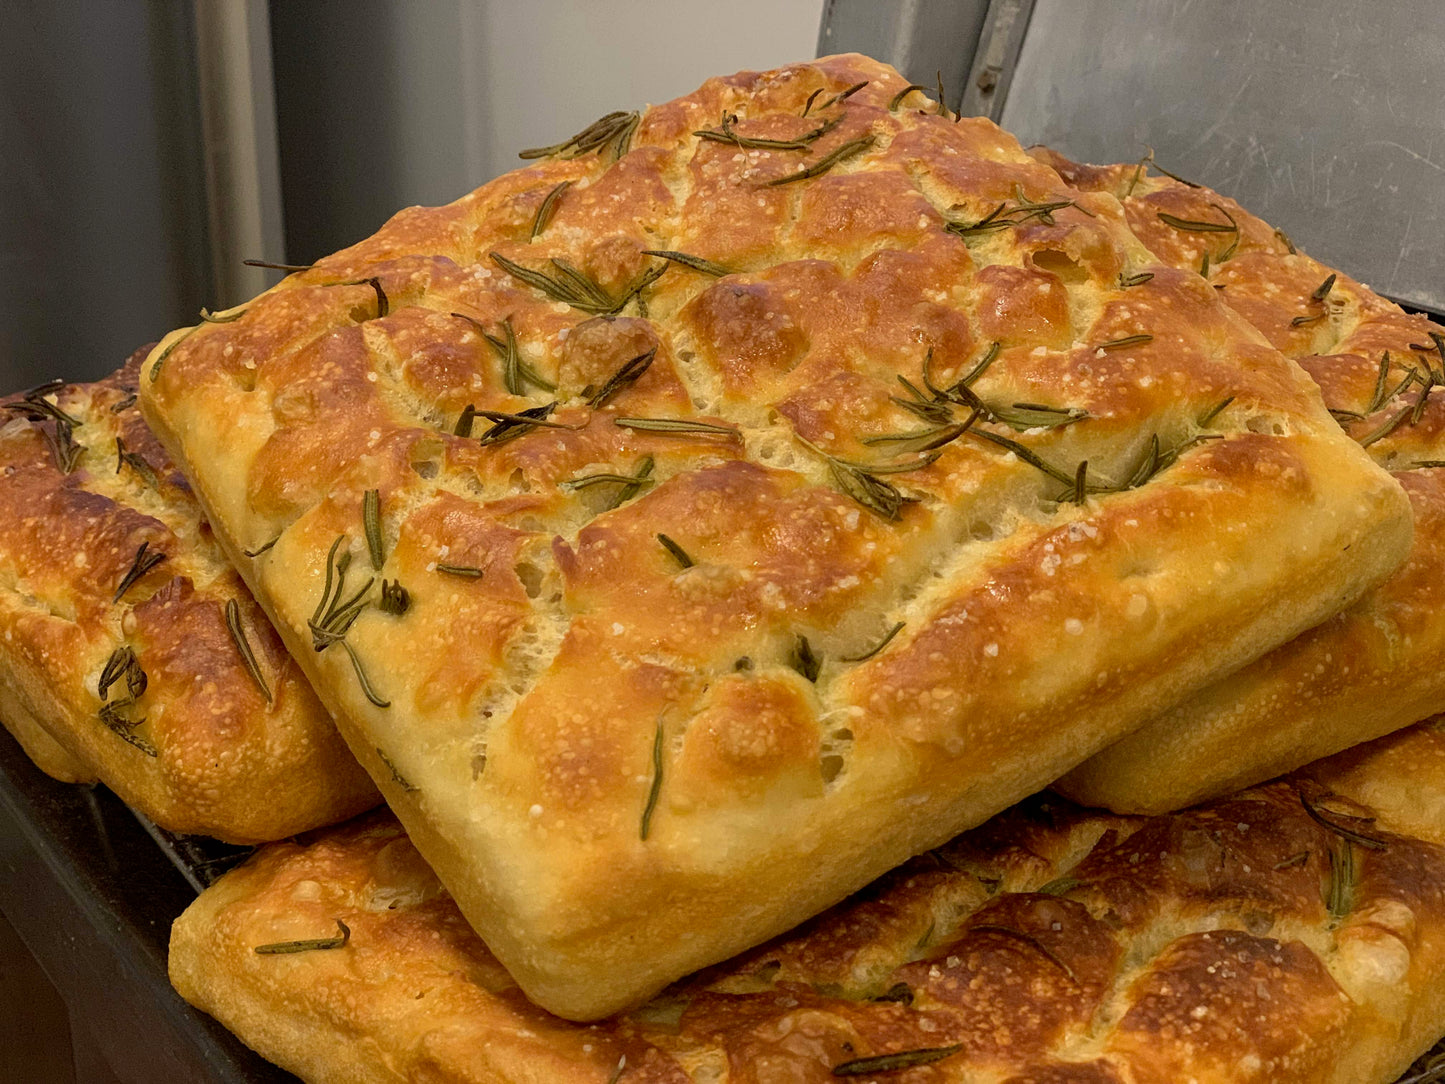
x,y
1279,936
753,493
130,651
1374,667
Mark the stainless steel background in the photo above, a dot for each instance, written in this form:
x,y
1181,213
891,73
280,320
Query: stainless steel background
x,y
1327,118
102,202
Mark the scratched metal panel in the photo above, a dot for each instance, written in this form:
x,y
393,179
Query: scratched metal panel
x,y
1326,118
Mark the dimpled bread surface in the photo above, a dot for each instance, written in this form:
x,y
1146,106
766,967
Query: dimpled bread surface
x,y
1374,667
879,503
118,663
1247,941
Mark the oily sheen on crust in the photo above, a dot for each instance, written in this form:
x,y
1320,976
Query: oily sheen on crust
x,y
1277,936
118,660
708,616
1374,667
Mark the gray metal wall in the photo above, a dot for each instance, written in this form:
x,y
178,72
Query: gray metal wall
x,y
102,210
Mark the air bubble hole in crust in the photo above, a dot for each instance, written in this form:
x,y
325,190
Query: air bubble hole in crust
x,y
1268,426
832,759
1059,263
531,577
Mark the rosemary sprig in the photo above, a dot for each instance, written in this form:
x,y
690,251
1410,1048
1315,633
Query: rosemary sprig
x,y
890,1063
1004,217
1030,940
1027,455
900,993
243,647
611,133
863,485
696,263
63,446
284,948
1382,379
676,426
1383,431
1126,341
136,462
396,776
548,209
1190,225
395,599
630,484
897,99
35,404
678,553
844,95
630,371
1340,888
123,666
371,523
1316,814
1059,886
805,660
725,133
470,572
841,153
507,426
143,563
655,789
336,612
290,267
1215,411
887,639
572,287
515,368
1125,281
366,686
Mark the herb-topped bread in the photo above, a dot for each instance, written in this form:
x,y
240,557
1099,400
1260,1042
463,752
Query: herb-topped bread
x,y
1279,936
1374,667
752,493
130,651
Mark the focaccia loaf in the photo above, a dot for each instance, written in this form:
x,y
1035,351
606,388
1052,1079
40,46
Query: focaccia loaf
x,y
690,527
1374,667
117,657
1276,937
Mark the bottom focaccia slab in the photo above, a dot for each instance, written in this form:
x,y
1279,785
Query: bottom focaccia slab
x,y
1374,667
688,529
1281,936
130,652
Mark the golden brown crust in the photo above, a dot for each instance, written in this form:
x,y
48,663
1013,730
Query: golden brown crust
x,y
1374,667
540,731
1222,945
200,748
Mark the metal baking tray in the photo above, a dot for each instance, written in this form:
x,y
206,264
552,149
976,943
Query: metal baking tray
x,y
92,895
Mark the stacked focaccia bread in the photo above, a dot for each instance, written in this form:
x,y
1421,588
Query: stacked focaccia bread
x,y
1375,667
130,651
1292,934
691,527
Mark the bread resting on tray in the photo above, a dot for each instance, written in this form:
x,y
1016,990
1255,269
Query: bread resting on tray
x,y
1290,934
130,651
1374,667
759,490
